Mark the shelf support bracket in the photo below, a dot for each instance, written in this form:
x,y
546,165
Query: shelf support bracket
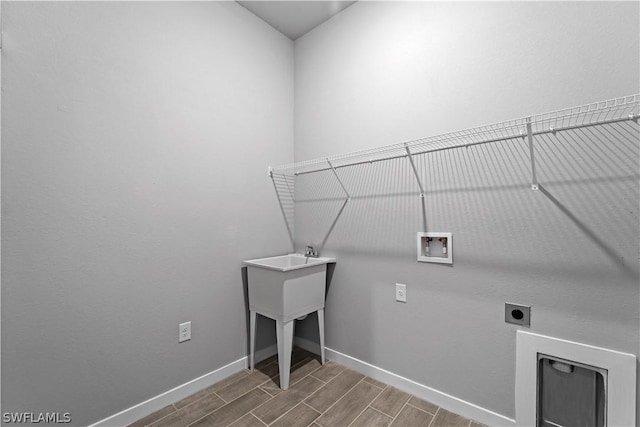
x,y
534,179
282,209
415,171
339,180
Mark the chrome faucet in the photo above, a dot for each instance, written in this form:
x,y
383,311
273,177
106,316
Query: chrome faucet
x,y
310,251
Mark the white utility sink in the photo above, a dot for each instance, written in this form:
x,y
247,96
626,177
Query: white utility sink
x,y
288,262
285,288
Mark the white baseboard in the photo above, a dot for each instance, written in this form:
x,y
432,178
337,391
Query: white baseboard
x,y
158,402
446,401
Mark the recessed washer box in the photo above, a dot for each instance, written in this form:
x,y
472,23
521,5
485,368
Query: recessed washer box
x,y
435,247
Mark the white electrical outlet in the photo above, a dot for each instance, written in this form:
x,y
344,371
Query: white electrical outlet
x,y
184,332
401,292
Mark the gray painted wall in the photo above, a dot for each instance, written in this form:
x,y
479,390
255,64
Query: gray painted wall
x,y
135,141
387,72
134,147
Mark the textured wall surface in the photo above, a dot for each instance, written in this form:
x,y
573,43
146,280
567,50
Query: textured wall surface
x,y
135,142
387,72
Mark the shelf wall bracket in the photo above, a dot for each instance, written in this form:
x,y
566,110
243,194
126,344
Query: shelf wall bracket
x,y
415,171
534,179
339,180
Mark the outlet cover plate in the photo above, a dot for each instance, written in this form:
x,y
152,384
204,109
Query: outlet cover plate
x,y
184,332
401,292
517,314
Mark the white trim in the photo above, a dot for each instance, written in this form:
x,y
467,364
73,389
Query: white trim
x,y
621,375
446,401
158,402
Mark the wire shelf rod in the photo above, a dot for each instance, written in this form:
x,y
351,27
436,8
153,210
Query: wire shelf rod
x,y
465,145
425,142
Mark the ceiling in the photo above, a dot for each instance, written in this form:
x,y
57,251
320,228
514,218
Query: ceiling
x,y
295,18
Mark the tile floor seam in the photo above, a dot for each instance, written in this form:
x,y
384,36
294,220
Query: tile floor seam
x,y
420,409
374,382
278,374
341,397
341,371
399,412
434,417
300,379
317,391
266,391
162,418
259,386
323,381
266,381
302,401
407,403
309,406
386,415
376,386
289,410
197,400
271,398
257,418
220,397
192,423
401,408
314,410
224,400
286,412
209,413
263,383
227,403
223,406
320,413
369,404
321,366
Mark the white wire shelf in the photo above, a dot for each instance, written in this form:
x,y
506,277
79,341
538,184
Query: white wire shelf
x,y
597,113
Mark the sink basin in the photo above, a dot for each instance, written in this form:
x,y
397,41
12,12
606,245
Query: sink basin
x,y
288,262
284,288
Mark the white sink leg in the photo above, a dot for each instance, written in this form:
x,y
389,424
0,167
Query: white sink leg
x,y
321,330
284,335
252,339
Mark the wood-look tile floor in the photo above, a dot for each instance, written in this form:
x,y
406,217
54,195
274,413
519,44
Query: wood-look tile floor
x,y
318,396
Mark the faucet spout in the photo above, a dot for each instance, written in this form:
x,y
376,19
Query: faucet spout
x,y
310,251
